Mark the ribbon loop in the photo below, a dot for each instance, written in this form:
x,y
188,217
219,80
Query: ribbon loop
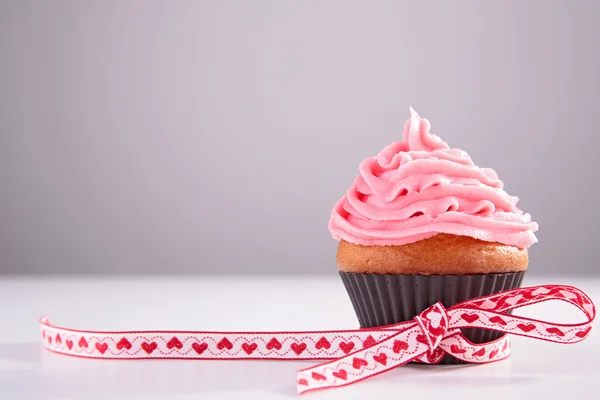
x,y
492,312
516,298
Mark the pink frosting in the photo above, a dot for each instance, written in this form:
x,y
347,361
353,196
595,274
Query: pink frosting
x,y
420,187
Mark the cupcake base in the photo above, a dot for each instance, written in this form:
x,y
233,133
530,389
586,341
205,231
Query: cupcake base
x,y
388,299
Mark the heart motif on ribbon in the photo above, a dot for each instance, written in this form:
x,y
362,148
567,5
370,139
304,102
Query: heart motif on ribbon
x,y
149,347
381,358
274,344
457,350
399,345
199,348
249,347
583,333
174,343
513,300
422,339
470,318
346,347
298,348
497,320
123,344
302,382
526,327
540,290
224,344
369,341
435,320
359,362
101,347
479,353
318,377
488,305
341,374
323,343
554,330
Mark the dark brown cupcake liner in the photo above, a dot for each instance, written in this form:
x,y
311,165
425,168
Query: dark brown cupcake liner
x,y
388,299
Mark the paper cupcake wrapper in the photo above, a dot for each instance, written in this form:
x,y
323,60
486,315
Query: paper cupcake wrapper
x,y
388,299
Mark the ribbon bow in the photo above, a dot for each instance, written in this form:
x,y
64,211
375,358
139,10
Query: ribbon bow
x,y
355,354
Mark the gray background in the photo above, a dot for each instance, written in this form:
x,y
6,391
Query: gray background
x,y
163,137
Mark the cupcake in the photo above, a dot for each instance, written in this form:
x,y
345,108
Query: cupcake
x,y
421,224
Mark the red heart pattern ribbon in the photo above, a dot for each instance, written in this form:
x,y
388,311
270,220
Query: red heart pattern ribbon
x,y
354,355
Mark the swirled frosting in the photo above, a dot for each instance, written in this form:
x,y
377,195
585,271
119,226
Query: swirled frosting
x,y
420,187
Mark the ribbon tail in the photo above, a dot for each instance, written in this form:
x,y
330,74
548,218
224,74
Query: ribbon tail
x,y
396,350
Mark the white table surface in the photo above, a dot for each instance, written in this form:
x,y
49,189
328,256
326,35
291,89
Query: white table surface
x,y
536,369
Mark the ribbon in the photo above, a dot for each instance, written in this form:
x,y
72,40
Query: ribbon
x,y
354,355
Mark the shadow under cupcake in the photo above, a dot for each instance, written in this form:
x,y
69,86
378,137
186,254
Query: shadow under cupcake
x,y
423,224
